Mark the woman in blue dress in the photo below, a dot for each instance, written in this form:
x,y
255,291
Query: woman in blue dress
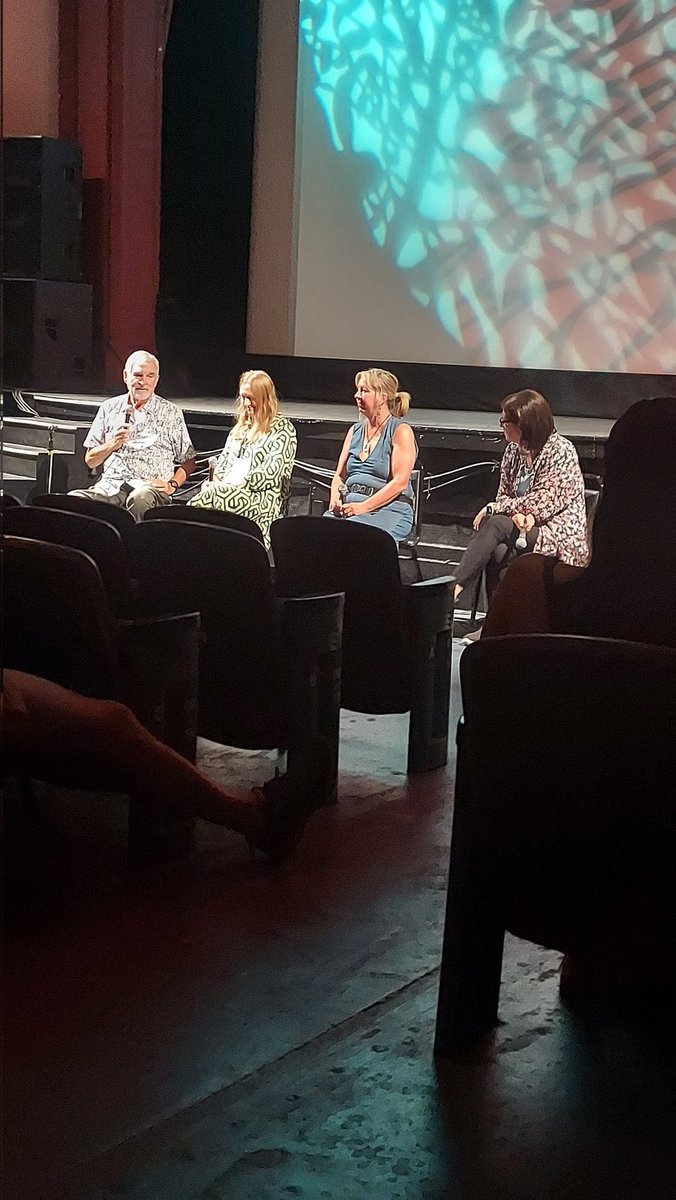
x,y
372,481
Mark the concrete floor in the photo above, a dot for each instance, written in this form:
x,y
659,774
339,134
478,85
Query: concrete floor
x,y
230,1032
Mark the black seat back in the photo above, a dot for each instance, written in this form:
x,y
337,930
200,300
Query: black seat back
x,y
205,516
182,566
563,683
564,805
56,619
114,515
8,501
97,538
314,555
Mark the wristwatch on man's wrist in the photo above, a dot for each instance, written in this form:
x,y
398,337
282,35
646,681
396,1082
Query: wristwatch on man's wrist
x,y
489,510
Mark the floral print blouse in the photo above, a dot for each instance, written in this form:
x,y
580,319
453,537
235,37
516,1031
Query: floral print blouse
x,y
555,499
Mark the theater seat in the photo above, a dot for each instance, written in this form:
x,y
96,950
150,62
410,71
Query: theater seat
x,y
396,639
205,516
269,673
98,538
119,517
564,807
57,624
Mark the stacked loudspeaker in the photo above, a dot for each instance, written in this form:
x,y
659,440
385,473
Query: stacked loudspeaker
x,y
47,318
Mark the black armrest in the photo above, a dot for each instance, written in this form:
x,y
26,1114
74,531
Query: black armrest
x,y
429,609
429,604
311,630
311,624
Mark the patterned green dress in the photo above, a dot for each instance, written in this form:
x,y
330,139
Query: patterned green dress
x,y
252,477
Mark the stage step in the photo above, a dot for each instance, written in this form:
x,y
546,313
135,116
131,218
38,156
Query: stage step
x,y
81,409
32,431
22,461
18,486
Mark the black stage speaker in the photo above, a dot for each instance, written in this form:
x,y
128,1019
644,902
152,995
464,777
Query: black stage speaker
x,y
47,335
42,217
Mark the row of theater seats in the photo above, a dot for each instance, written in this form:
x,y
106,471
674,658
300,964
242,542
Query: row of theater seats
x,y
564,798
276,659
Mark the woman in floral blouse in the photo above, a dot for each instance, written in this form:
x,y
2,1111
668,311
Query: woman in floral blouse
x,y
253,471
628,589
540,502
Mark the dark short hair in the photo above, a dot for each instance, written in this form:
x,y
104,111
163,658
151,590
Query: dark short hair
x,y
533,416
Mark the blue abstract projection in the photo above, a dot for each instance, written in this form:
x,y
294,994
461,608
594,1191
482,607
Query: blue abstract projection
x,y
521,166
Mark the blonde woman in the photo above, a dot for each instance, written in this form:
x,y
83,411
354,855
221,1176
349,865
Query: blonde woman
x,y
252,474
372,481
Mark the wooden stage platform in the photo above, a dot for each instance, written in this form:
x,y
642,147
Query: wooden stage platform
x,y
435,428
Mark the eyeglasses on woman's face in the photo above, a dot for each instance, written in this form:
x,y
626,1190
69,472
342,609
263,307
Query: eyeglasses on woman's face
x,y
507,421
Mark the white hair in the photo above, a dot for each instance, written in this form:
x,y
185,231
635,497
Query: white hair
x,y
141,356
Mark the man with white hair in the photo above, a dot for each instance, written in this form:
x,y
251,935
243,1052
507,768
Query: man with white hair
x,y
140,440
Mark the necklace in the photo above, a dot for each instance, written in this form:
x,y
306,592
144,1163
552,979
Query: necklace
x,y
369,443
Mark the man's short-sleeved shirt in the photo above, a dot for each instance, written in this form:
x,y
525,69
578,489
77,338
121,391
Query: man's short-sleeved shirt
x,y
158,439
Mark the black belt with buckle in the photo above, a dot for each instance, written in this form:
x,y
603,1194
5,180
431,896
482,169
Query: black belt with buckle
x,y
365,490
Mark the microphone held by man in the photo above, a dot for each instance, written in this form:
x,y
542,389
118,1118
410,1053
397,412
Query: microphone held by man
x,y
159,455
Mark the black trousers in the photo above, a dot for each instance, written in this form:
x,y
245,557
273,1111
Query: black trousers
x,y
493,546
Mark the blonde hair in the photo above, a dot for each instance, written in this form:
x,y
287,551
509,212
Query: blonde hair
x,y
266,399
388,385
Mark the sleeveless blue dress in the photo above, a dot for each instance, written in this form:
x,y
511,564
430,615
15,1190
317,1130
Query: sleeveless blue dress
x,y
396,518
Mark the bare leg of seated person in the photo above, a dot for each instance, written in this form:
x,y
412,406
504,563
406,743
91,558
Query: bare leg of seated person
x,y
58,735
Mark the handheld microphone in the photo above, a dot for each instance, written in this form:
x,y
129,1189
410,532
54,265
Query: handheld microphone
x,y
521,543
127,412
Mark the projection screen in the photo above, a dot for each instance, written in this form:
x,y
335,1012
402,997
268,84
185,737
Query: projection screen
x,y
482,182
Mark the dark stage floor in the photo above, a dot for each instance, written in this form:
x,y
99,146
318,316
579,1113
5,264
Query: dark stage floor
x,y
228,1032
